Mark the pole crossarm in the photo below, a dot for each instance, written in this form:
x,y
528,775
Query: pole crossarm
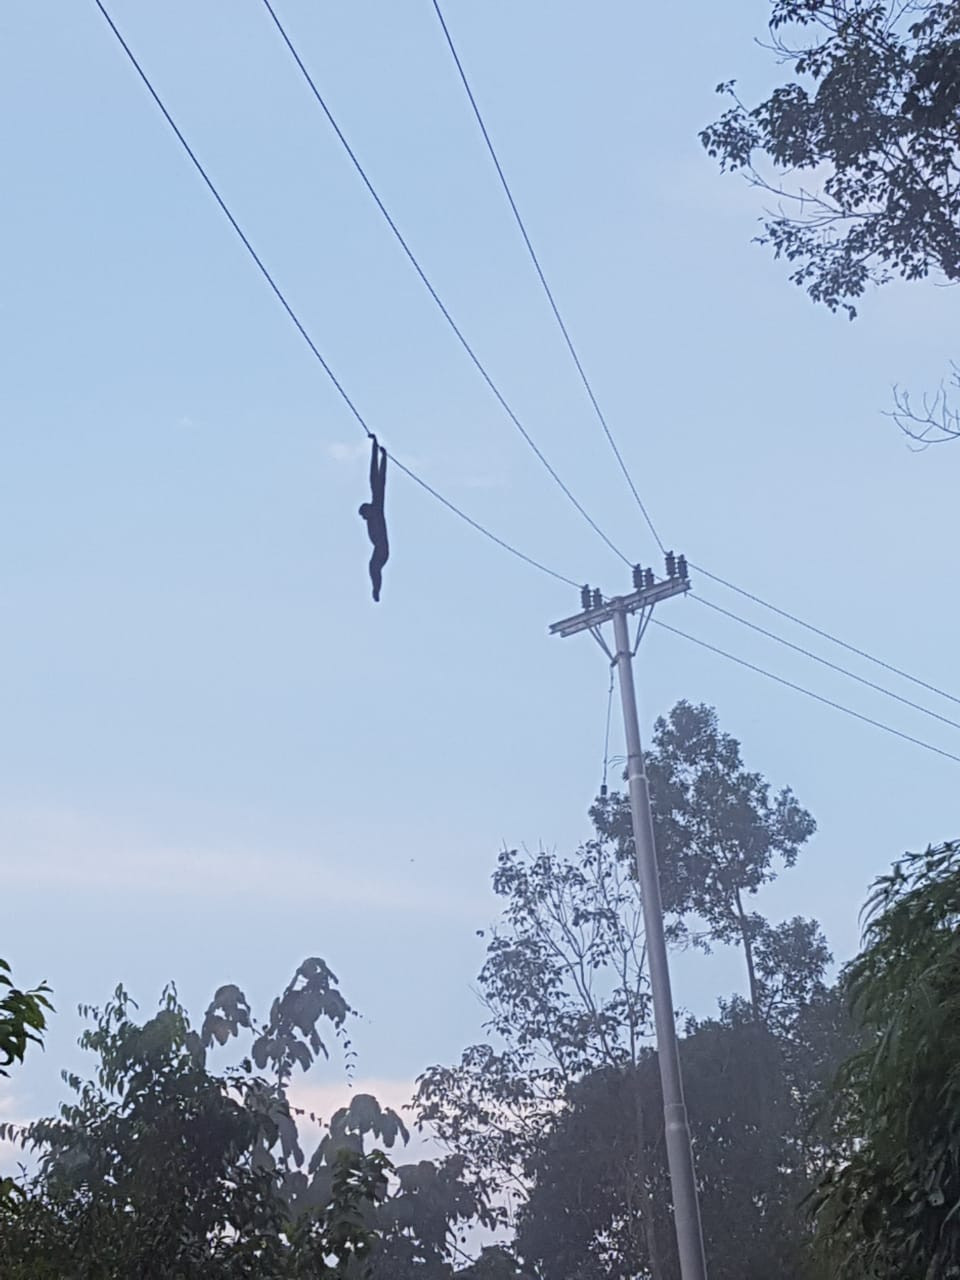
x,y
645,598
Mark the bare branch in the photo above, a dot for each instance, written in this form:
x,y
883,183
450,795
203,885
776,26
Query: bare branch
x,y
937,421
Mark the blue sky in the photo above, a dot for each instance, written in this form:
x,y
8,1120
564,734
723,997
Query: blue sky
x,y
218,756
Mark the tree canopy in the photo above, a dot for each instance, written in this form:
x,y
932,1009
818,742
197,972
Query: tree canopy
x,y
860,147
577,1221
182,1157
561,1102
720,834
23,1020
892,1208
163,1168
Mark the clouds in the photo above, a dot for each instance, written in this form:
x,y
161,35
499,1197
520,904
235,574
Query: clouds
x,y
347,453
467,468
75,854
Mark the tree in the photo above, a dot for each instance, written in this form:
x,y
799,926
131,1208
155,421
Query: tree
x,y
754,1096
565,987
494,1263
162,1168
877,105
873,117
892,1207
22,1018
22,1022
576,1221
719,834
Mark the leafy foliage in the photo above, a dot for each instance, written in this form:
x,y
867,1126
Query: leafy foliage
x,y
494,1263
22,1022
579,1220
873,117
893,1207
565,989
561,1104
159,1167
752,1096
22,1018
719,834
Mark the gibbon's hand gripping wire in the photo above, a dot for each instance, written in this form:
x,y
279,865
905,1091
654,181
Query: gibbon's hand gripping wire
x,y
425,280
278,293
481,528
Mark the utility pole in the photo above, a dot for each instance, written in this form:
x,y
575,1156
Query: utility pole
x,y
597,611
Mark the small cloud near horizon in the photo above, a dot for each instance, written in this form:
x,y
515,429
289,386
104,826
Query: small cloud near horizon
x,y
76,852
347,453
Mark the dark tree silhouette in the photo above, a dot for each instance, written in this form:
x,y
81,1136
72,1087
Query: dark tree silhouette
x,y
720,834
861,149
162,1168
891,1207
560,1104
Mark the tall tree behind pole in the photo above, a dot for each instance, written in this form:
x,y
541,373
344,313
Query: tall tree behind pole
x,y
683,1183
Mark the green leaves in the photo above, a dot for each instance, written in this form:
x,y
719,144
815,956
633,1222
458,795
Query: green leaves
x,y
22,1018
891,1208
227,1013
291,1036
720,837
720,833
746,1089
875,112
565,988
560,1105
161,1167
22,1022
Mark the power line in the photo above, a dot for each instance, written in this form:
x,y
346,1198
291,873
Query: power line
x,y
278,293
531,251
601,417
807,653
451,506
481,528
826,635
798,688
411,256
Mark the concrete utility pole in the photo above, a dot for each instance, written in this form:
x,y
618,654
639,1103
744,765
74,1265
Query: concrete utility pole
x,y
597,611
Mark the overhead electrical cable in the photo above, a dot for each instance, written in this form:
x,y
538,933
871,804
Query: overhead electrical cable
x,y
601,417
815,657
798,688
826,635
451,506
278,293
415,263
475,524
